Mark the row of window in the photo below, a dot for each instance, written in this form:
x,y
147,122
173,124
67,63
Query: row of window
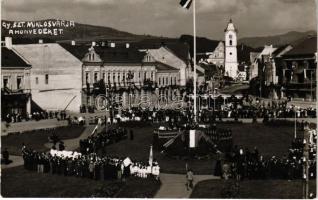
x,y
118,77
46,79
7,81
165,81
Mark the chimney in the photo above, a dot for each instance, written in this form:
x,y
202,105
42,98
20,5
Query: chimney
x,y
93,44
112,45
73,42
40,41
127,45
8,42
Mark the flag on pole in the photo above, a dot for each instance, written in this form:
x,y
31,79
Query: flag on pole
x,y
186,3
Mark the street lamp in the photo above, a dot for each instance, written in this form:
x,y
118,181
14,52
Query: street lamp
x,y
295,131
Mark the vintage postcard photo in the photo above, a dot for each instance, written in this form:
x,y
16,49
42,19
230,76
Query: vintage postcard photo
x,y
212,99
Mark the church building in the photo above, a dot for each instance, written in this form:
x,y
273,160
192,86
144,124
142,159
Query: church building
x,y
231,63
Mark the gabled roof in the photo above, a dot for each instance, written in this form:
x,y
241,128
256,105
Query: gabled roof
x,y
180,49
306,47
9,58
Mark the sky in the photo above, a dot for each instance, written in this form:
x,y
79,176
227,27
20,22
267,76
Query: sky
x,y
168,18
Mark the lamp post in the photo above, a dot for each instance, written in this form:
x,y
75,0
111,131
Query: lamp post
x,y
295,131
311,93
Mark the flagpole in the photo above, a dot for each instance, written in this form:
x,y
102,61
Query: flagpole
x,y
194,62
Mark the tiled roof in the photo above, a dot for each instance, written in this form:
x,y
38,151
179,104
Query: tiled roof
x,y
180,49
9,58
306,47
119,54
108,54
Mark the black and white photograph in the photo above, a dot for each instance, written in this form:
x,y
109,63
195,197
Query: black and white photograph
x,y
164,99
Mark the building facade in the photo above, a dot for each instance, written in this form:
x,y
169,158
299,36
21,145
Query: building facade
x,y
55,76
15,82
298,71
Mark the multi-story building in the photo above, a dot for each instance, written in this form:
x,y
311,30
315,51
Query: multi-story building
x,y
123,66
15,82
55,76
299,70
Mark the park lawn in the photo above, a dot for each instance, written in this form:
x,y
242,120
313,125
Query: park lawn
x,y
139,188
269,140
37,138
18,182
253,189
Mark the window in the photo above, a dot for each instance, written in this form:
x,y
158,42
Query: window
x,y
145,75
163,81
87,77
104,76
151,75
46,79
93,56
108,77
159,80
95,77
230,42
230,53
175,80
114,75
89,57
118,77
171,81
124,77
230,36
36,80
19,82
5,81
167,81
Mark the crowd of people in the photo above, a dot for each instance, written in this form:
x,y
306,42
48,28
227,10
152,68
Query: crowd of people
x,y
96,142
17,117
252,165
91,166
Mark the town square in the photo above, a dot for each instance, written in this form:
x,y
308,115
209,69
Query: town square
x,y
159,99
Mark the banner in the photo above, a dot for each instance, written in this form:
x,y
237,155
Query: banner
x,y
192,139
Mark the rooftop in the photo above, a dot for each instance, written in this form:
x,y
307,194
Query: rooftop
x,y
306,47
9,58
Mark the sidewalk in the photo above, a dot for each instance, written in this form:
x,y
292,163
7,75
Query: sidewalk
x,y
31,125
70,145
173,185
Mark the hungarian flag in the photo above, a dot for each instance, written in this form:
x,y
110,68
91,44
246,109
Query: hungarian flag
x,y
186,3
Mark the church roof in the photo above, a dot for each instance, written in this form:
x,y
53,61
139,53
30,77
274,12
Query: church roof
x,y
230,26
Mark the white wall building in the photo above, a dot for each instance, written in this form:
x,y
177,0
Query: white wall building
x,y
56,76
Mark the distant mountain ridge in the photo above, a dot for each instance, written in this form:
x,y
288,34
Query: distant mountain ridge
x,y
79,32
86,32
291,37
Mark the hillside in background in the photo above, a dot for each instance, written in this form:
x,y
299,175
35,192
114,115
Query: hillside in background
x,y
277,40
79,32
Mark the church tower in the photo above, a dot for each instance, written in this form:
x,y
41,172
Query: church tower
x,y
231,64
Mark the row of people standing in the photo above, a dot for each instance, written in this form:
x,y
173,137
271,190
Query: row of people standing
x,y
87,166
